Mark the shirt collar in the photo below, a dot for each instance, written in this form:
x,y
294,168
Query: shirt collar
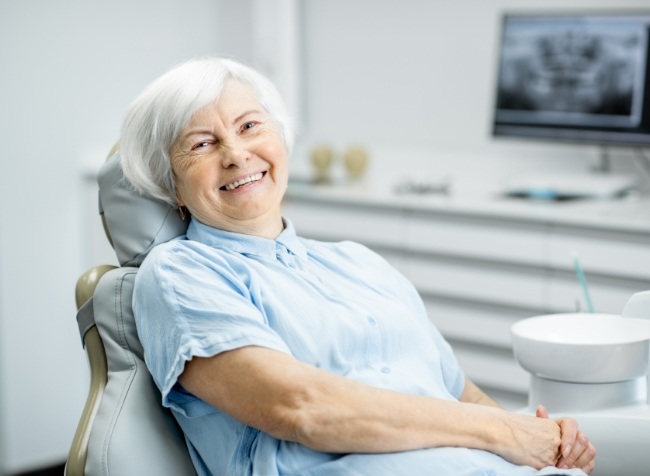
x,y
247,244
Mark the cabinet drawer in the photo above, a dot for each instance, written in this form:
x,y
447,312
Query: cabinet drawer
x,y
480,324
601,252
476,282
494,371
340,222
493,240
608,296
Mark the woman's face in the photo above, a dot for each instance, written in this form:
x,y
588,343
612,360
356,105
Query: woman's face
x,y
230,165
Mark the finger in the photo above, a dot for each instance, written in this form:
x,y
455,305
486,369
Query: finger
x,y
541,412
569,436
587,464
587,458
579,450
589,467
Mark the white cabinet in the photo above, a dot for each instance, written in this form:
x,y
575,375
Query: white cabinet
x,y
480,269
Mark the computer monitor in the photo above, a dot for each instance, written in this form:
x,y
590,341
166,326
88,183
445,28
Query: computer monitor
x,y
577,77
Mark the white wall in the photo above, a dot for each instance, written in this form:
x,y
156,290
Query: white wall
x,y
415,78
69,69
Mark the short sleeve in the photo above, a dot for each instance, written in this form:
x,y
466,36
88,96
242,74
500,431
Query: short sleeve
x,y
188,305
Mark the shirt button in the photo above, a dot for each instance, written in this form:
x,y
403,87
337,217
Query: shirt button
x,y
385,369
371,320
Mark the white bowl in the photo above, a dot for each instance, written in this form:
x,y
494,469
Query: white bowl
x,y
583,348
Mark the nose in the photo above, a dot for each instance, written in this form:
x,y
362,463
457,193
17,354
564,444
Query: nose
x,y
236,154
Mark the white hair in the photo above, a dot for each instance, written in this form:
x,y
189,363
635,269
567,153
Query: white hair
x,y
160,113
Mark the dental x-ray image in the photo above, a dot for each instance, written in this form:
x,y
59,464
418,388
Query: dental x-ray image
x,y
572,70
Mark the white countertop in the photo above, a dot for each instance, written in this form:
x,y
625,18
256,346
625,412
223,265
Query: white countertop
x,y
629,214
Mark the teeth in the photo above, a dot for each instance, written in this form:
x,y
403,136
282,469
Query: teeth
x,y
244,181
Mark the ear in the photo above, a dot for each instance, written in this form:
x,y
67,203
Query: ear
x,y
179,198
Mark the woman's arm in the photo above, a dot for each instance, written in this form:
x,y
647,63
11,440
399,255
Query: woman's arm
x,y
473,394
293,401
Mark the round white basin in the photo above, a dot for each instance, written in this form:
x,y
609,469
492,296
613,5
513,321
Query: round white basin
x,y
583,348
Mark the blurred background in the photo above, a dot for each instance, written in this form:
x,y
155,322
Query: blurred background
x,y
411,81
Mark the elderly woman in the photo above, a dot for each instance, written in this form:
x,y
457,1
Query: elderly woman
x,y
283,355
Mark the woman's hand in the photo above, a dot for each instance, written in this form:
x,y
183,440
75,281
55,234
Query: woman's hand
x,y
531,441
575,449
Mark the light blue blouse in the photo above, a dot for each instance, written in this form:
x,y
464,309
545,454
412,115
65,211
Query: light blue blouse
x,y
337,306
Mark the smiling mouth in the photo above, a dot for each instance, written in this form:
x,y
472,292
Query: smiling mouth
x,y
244,181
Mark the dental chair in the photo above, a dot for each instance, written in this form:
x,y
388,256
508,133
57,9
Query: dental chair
x,y
123,430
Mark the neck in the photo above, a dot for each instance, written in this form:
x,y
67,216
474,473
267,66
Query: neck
x,y
269,229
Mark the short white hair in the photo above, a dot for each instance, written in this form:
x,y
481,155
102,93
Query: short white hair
x,y
160,113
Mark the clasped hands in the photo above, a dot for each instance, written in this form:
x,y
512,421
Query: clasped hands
x,y
575,451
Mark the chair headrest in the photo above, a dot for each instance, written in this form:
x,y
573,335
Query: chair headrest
x,y
134,223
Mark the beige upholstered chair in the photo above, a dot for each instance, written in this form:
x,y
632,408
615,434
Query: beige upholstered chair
x,y
123,429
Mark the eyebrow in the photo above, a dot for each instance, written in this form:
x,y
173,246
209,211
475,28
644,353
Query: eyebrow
x,y
246,113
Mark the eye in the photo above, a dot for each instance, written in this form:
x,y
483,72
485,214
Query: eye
x,y
248,125
201,145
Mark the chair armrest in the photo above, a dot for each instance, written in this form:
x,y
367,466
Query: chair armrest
x,y
76,463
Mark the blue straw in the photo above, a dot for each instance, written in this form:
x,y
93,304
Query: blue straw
x,y
583,281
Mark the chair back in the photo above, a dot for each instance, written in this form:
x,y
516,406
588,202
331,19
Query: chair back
x,y
123,430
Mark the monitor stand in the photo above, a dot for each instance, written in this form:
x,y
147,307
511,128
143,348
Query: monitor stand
x,y
599,183
604,165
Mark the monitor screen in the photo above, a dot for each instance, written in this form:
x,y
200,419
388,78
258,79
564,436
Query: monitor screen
x,y
574,77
